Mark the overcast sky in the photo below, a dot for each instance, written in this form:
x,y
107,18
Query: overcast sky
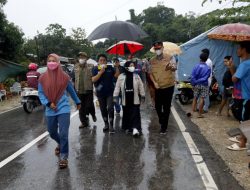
x,y
35,15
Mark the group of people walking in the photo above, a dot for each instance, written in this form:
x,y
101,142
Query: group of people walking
x,y
114,85
109,83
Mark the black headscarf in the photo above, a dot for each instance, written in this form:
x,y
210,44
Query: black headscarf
x,y
129,87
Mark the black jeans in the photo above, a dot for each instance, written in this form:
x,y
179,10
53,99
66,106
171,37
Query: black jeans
x,y
163,99
107,109
87,106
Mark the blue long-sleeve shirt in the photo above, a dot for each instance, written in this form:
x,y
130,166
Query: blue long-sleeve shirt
x,y
200,74
63,105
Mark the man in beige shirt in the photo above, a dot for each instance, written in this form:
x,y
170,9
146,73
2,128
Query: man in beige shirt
x,y
84,88
162,73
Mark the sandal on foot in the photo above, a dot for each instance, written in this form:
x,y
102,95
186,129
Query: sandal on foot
x,y
234,139
63,164
236,147
57,151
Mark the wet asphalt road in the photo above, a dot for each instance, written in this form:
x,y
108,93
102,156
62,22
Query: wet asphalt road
x,y
103,161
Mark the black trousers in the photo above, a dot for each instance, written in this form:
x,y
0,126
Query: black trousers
x,y
241,109
87,106
246,110
163,99
107,109
131,117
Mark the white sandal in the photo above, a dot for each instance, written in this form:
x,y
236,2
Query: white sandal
x,y
236,147
234,139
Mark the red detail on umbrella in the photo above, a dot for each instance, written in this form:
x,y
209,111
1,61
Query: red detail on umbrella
x,y
125,47
231,32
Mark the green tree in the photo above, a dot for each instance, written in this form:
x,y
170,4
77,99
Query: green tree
x,y
160,15
133,18
56,30
11,37
78,35
11,41
55,40
81,43
3,2
233,1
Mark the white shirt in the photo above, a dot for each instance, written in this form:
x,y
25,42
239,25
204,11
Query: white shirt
x,y
210,64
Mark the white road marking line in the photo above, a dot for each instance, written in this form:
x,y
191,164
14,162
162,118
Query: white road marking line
x,y
27,146
206,176
10,110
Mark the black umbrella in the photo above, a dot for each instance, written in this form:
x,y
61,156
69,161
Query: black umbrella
x,y
119,30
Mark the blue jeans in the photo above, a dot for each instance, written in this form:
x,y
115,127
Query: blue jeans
x,y
117,105
61,121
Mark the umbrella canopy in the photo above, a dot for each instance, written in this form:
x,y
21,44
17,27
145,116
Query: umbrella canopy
x,y
169,48
231,32
125,47
119,30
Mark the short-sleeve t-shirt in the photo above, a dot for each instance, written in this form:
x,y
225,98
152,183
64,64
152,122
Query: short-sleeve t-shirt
x,y
227,79
243,73
106,84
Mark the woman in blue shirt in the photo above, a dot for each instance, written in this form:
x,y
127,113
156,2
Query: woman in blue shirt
x,y
52,88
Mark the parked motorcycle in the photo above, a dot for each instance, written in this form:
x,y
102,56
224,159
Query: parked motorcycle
x,y
30,99
185,91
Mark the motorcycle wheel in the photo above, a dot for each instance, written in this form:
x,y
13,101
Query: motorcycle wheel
x,y
28,107
183,99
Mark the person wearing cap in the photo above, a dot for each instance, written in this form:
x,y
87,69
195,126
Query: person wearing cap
x,y
84,88
162,73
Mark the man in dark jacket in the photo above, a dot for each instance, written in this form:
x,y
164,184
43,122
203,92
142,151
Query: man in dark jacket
x,y
103,77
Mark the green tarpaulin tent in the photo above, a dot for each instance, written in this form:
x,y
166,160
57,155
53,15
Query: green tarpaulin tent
x,y
10,69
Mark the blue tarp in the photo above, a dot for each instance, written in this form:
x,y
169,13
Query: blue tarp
x,y
218,50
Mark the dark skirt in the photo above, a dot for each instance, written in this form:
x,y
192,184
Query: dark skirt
x,y
131,117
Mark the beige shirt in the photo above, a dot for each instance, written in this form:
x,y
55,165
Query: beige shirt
x,y
83,84
164,78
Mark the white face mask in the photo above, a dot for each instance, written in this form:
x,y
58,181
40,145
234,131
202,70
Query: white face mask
x,y
81,61
158,52
131,69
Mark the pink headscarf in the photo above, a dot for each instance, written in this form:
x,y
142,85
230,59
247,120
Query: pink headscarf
x,y
54,82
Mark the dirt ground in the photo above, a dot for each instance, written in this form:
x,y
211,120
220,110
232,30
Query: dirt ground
x,y
215,129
